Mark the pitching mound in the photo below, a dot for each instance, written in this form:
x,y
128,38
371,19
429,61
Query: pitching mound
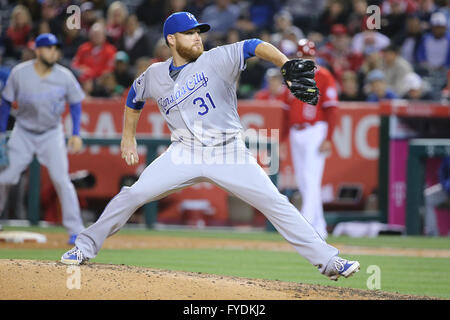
x,y
28,279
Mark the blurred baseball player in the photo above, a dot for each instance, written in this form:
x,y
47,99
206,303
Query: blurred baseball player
x,y
311,129
196,93
41,89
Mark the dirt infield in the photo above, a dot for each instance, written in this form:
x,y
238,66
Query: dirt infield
x,y
27,279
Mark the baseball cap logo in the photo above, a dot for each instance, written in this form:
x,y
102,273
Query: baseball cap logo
x,y
190,16
181,22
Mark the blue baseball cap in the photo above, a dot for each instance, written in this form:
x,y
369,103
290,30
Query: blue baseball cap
x,y
181,22
46,40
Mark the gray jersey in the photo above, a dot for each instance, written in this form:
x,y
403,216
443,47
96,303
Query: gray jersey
x,y
41,101
201,104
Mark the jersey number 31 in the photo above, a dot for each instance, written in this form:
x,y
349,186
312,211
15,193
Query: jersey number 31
x,y
202,104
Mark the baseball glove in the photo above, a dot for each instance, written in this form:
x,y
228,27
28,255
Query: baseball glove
x,y
4,161
298,75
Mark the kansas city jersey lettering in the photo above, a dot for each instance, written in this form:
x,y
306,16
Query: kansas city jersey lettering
x,y
204,90
192,84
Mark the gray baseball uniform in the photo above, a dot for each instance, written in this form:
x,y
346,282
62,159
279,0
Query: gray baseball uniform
x,y
38,131
200,107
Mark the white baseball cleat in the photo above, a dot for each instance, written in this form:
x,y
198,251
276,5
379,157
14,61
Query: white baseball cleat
x,y
74,256
341,267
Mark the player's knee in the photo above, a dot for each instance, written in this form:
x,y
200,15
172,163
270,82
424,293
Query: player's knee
x,y
138,195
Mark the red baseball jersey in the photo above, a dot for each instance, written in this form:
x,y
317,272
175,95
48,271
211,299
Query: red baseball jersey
x,y
301,112
97,61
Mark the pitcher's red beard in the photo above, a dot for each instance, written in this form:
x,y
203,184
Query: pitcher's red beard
x,y
190,53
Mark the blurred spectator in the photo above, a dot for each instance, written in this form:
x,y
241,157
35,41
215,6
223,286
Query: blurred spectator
x,y
408,6
176,6
88,17
122,72
284,29
34,7
275,90
161,51
410,39
141,65
334,13
434,48
424,11
377,87
262,12
115,22
394,21
414,88
434,54
18,32
371,62
264,35
244,24
71,40
445,94
395,68
289,48
53,13
233,36
152,12
94,57
134,42
196,7
356,17
251,80
350,90
444,7
221,16
338,54
41,27
305,13
368,41
106,86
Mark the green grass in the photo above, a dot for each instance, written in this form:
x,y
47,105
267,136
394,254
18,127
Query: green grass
x,y
407,275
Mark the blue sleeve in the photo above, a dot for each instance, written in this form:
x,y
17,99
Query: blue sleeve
x,y
444,174
447,62
75,112
250,46
130,103
5,108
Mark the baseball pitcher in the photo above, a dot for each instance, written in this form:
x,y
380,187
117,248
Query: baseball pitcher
x,y
196,93
41,89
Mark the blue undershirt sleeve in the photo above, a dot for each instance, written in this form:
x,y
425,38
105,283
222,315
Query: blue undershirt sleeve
x,y
250,46
75,112
130,100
